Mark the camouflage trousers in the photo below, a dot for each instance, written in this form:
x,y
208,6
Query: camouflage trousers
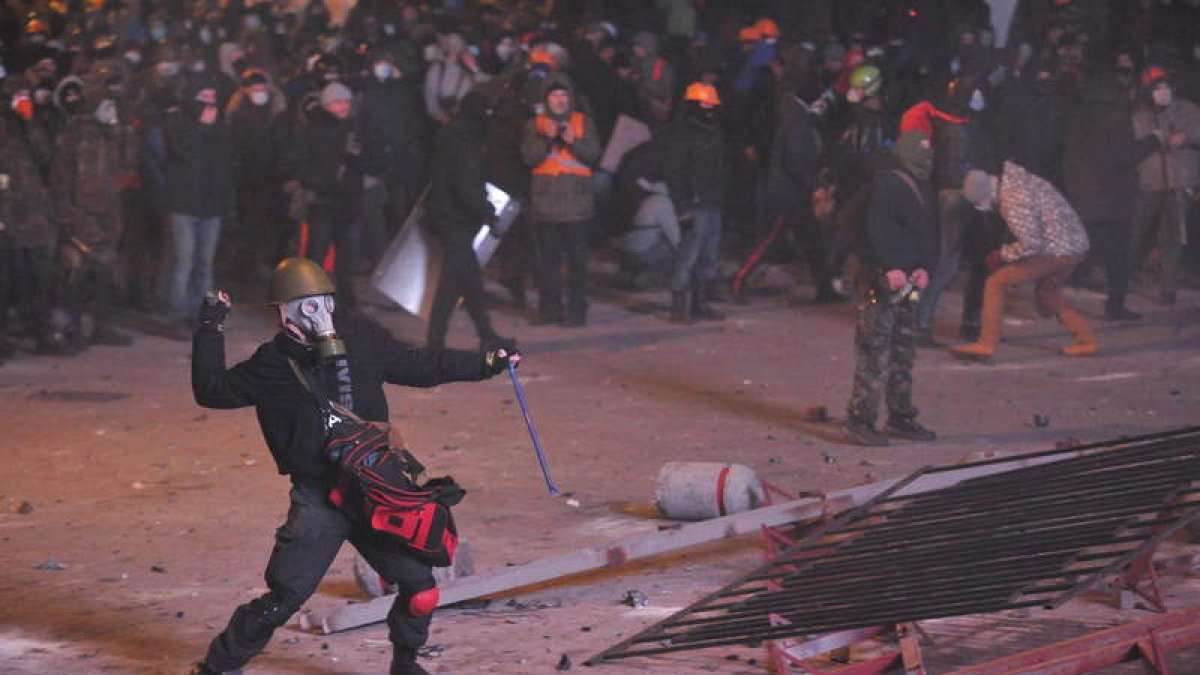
x,y
884,351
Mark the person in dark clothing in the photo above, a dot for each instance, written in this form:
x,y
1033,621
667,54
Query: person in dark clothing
x,y
458,207
389,126
200,193
792,178
326,165
92,152
26,242
258,123
899,246
962,142
695,173
352,357
1100,177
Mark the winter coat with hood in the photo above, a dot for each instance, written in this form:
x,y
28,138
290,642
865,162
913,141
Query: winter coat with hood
x,y
89,158
1039,218
561,197
1169,168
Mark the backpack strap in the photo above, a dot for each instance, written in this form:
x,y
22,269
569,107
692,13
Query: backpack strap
x,y
332,411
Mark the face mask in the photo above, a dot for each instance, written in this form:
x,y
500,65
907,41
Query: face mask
x,y
382,71
37,39
252,22
133,57
977,102
158,32
73,105
389,29
259,97
43,96
167,68
431,53
198,67
955,65
505,50
310,320
106,112
206,36
1161,96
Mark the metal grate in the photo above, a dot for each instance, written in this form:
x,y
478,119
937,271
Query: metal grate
x,y
1032,536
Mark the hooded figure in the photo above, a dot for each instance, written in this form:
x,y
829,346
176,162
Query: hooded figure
x,y
91,154
561,145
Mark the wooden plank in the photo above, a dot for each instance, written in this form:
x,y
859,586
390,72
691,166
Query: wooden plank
x,y
644,546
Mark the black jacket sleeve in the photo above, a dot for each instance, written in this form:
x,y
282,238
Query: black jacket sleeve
x,y
423,367
214,386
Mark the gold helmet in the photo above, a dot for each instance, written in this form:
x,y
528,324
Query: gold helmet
x,y
298,278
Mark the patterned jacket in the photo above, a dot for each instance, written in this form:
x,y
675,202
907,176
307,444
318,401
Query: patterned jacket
x,y
1039,217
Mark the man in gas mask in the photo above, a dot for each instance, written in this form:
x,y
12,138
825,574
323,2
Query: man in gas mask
x,y
350,357
1168,174
91,154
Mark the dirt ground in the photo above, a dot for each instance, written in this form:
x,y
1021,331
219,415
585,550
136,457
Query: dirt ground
x,y
133,521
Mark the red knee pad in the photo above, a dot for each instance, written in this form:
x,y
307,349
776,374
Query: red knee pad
x,y
423,603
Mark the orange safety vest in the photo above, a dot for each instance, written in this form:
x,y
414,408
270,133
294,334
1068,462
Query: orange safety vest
x,y
561,160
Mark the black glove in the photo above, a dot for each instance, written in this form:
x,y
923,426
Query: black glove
x,y
213,310
497,358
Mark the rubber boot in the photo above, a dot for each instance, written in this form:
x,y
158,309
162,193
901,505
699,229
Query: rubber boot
x,y
1085,340
681,307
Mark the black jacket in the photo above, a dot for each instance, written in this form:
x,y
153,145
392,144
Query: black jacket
x,y
388,126
901,221
322,158
287,412
199,165
695,163
458,203
795,155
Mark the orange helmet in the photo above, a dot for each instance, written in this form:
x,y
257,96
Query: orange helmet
x,y
704,94
767,28
749,34
540,55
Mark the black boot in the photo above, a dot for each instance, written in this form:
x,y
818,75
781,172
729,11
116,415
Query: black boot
x,y
681,307
701,309
404,662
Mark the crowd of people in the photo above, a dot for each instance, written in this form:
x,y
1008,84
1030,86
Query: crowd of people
x,y
149,148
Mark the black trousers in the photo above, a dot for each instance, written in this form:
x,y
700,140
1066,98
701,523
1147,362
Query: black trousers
x,y
305,546
557,242
461,277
